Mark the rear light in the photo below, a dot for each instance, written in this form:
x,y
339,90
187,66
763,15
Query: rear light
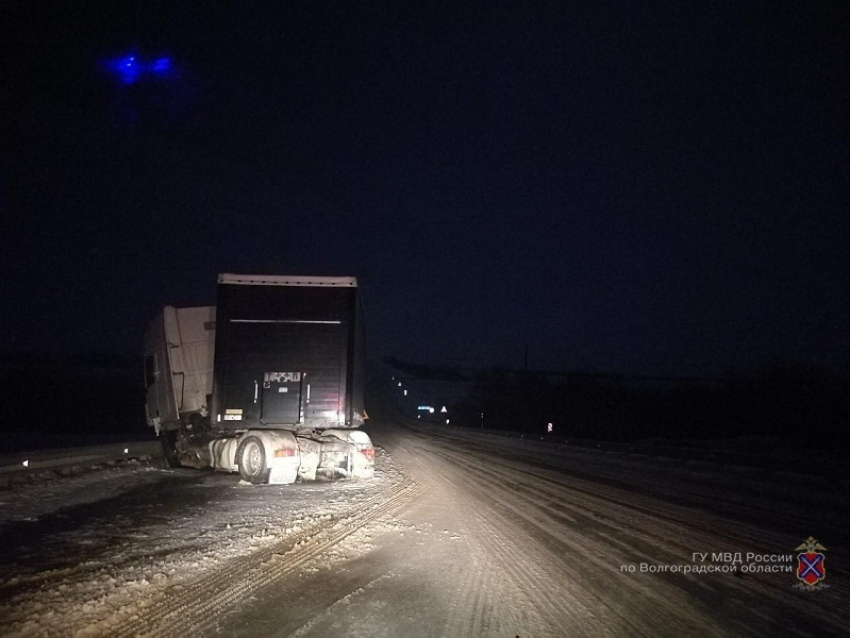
x,y
368,452
284,453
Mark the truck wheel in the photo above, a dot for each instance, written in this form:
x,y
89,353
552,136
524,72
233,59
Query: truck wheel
x,y
169,449
251,459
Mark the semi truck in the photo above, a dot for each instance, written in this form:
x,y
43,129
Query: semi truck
x,y
268,383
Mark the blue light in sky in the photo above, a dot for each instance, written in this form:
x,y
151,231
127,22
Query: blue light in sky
x,y
127,68
161,66
130,69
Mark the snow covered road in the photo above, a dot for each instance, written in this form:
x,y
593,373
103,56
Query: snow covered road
x,y
459,534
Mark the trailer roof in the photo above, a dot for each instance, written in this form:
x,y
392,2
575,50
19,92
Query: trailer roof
x,y
287,280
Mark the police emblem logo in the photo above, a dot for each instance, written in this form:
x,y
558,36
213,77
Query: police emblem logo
x,y
811,565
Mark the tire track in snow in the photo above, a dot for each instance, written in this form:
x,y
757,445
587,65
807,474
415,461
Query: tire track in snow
x,y
469,595
475,595
563,562
500,571
189,609
641,528
656,529
490,599
645,539
753,508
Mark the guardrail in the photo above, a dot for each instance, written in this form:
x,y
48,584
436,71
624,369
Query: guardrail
x,y
19,463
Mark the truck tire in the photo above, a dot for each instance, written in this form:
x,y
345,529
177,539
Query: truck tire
x,y
251,459
169,449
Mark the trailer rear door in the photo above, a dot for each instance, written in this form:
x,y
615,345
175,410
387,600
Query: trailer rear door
x,y
281,397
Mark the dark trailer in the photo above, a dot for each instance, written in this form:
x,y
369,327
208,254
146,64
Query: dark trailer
x,y
288,353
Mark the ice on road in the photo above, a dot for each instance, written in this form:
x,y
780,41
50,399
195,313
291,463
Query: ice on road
x,y
459,534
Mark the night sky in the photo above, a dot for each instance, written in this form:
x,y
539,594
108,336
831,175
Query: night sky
x,y
636,187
